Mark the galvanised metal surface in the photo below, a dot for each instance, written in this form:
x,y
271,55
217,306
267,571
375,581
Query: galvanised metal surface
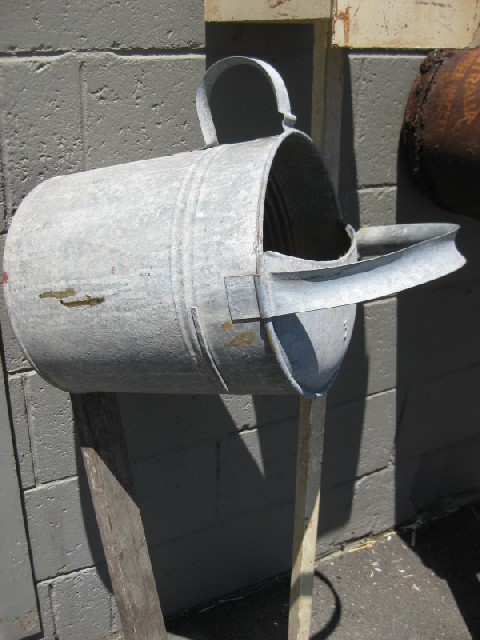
x,y
132,278
441,132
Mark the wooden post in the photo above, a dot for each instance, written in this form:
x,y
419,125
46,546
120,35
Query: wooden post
x,y
321,35
311,425
105,455
307,506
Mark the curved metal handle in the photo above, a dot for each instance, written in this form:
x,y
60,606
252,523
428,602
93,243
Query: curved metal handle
x,y
205,89
429,252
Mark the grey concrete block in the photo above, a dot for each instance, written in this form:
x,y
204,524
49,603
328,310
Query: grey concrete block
x,y
405,507
438,413
418,483
140,107
19,615
379,85
437,331
43,423
257,469
82,607
51,430
461,473
356,509
444,476
246,550
377,206
44,592
62,528
159,424
370,365
54,25
275,409
177,492
374,503
21,428
359,438
41,124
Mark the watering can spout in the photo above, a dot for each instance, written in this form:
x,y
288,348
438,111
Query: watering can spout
x,y
424,252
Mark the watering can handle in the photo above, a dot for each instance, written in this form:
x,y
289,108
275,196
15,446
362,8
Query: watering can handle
x,y
208,80
427,252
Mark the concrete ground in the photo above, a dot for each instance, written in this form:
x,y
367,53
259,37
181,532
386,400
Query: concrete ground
x,y
419,583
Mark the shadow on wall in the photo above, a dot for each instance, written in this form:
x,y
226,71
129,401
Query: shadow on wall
x,y
215,476
243,104
243,108
343,435
438,413
438,370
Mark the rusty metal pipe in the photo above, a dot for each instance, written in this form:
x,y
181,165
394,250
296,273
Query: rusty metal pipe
x,y
441,132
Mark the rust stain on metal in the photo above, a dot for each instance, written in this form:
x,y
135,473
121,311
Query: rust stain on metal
x,y
244,338
273,4
270,343
88,301
4,277
63,293
344,17
227,325
471,103
26,622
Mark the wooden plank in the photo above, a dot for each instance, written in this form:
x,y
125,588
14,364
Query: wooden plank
x,y
307,505
366,24
409,24
18,602
327,84
332,112
321,35
266,10
105,455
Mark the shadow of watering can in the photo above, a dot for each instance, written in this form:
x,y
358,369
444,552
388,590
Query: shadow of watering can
x,y
224,270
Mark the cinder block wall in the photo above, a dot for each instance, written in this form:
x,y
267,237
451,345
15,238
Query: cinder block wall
x,y
89,84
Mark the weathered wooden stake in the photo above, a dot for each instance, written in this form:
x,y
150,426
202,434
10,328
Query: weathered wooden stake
x,y
311,425
307,504
105,455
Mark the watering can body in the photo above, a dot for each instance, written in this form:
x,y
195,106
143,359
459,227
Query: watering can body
x,y
223,270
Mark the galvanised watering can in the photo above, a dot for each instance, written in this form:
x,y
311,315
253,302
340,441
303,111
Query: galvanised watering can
x,y
223,270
